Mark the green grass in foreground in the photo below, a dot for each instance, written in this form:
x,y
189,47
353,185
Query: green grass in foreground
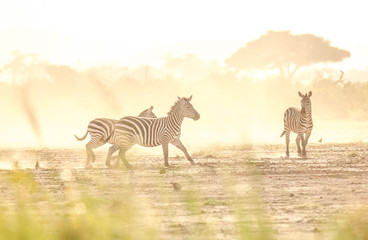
x,y
29,210
36,213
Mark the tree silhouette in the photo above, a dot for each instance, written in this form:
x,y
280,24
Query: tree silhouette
x,y
285,52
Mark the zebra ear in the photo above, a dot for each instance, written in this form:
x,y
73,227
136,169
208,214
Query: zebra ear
x,y
300,94
310,94
178,97
190,98
151,108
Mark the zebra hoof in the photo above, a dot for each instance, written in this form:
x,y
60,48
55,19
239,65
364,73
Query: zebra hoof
x,y
108,165
192,162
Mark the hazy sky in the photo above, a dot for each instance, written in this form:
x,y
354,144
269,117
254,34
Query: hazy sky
x,y
141,32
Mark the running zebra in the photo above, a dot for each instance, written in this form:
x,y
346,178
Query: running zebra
x,y
300,122
151,132
101,131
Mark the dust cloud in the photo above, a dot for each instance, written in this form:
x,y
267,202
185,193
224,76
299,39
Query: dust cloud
x,y
58,101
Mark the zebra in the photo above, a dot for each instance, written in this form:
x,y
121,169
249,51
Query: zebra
x,y
151,132
300,122
101,131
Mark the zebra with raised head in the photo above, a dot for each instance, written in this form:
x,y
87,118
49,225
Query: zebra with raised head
x,y
300,122
101,131
151,132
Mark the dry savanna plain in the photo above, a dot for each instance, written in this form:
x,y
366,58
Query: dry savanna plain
x,y
233,192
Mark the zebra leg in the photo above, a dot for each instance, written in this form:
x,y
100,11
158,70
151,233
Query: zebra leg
x,y
298,144
122,156
165,148
111,151
95,142
287,140
124,143
307,135
303,144
177,143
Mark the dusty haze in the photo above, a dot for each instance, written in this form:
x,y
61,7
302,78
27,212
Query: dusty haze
x,y
64,64
44,104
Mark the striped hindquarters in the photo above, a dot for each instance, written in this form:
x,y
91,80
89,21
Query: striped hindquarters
x,y
102,127
144,131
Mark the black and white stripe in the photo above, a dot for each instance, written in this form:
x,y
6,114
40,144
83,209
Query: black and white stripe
x,y
151,132
101,132
299,122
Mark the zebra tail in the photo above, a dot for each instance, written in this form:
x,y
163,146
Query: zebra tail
x,y
282,134
82,138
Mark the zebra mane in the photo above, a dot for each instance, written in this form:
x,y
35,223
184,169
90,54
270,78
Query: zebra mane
x,y
173,107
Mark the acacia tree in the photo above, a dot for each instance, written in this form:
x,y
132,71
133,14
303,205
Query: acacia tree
x,y
285,52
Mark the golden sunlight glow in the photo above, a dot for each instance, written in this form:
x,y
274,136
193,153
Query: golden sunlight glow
x,y
123,32
64,63
6,165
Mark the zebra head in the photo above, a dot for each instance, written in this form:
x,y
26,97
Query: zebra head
x,y
148,113
187,108
306,102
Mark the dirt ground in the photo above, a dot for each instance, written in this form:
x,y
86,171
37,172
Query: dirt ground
x,y
230,189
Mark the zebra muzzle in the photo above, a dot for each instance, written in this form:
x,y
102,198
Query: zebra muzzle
x,y
196,117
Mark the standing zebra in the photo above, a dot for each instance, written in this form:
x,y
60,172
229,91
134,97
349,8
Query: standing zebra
x,y
101,131
300,122
151,132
